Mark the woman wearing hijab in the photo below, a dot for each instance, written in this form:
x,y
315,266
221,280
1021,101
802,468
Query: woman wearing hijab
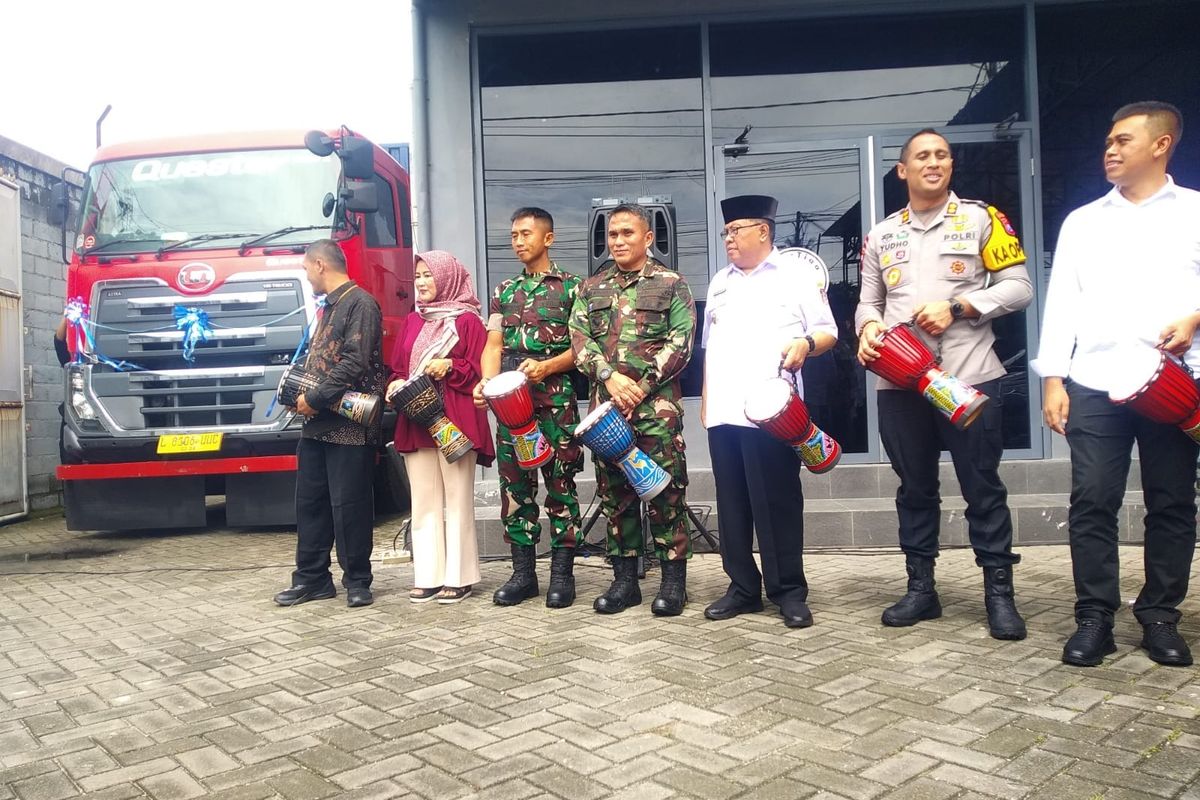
x,y
443,338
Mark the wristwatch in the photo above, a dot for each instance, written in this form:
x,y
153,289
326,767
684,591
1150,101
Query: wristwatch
x,y
956,309
605,373
812,343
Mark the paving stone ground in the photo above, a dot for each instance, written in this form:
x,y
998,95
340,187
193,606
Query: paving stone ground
x,y
156,666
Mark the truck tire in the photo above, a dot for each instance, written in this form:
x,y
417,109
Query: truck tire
x,y
391,483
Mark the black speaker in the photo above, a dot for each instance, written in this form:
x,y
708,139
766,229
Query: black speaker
x,y
662,212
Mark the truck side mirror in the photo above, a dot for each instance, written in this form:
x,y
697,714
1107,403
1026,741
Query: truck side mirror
x,y
358,158
361,196
60,204
318,143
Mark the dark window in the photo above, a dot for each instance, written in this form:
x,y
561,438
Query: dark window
x,y
823,78
381,224
405,215
1094,58
864,43
589,57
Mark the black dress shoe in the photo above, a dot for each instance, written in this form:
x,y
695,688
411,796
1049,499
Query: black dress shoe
x,y
795,614
302,594
1092,641
359,596
731,605
1164,644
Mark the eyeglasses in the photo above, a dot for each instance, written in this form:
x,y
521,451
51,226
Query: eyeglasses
x,y
733,230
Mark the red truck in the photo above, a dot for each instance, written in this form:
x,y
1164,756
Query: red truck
x,y
202,238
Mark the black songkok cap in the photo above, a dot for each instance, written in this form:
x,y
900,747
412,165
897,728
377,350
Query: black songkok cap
x,y
749,206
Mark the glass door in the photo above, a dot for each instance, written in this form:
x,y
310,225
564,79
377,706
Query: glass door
x,y
993,164
826,201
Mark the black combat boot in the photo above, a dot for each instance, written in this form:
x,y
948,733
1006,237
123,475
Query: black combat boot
x,y
1003,620
624,591
524,583
921,602
561,592
672,594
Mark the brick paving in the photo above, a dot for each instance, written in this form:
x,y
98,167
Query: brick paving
x,y
156,666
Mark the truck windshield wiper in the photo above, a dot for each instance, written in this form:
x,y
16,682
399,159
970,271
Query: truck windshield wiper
x,y
197,239
266,237
112,243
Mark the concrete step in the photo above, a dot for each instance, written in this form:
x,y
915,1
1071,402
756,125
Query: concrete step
x,y
853,505
868,522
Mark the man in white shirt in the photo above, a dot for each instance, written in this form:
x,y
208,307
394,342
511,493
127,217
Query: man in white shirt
x,y
1126,277
764,308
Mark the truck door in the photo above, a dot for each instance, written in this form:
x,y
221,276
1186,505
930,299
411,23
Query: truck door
x,y
383,271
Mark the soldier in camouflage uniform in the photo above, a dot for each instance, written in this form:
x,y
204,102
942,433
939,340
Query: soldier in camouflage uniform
x,y
631,329
527,331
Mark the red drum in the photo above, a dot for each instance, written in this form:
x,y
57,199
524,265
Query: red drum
x,y
905,361
903,357
1157,386
777,408
509,397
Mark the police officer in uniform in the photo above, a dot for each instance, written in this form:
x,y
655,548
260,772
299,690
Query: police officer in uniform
x,y
950,266
527,331
763,309
632,327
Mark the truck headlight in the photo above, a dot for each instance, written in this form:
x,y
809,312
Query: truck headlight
x,y
78,399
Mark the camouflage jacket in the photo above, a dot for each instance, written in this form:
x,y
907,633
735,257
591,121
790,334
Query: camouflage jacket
x,y
640,324
530,311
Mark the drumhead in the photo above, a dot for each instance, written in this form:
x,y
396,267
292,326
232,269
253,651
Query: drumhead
x,y
1133,371
770,397
504,383
591,419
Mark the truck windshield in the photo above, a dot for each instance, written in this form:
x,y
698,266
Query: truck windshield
x,y
142,204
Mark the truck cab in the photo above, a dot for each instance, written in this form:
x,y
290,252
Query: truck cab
x,y
202,239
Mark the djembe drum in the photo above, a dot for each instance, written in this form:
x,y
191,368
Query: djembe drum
x,y
359,407
419,400
905,361
1158,386
777,408
509,397
609,435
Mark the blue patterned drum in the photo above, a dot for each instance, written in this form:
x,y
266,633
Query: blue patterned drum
x,y
609,435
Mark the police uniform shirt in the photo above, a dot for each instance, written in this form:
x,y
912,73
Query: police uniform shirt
x,y
1122,272
907,262
748,319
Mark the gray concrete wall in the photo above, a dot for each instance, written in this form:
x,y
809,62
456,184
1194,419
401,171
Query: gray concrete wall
x,y
44,290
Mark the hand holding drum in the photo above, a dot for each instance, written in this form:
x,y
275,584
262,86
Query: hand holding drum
x,y
777,408
609,435
355,406
905,361
418,399
509,397
1158,386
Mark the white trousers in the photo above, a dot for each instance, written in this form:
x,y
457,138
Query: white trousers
x,y
445,552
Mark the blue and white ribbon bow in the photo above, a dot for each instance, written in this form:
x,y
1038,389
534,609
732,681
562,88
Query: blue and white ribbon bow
x,y
196,328
76,312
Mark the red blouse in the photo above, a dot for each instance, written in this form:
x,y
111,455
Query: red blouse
x,y
456,387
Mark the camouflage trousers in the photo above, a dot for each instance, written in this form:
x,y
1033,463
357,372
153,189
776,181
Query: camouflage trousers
x,y
662,440
519,487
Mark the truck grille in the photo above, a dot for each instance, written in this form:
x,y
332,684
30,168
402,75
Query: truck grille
x,y
235,372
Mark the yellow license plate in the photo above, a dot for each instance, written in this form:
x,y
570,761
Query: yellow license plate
x,y
189,442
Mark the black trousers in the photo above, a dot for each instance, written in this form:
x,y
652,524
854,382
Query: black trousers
x,y
1101,436
758,489
334,508
914,433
